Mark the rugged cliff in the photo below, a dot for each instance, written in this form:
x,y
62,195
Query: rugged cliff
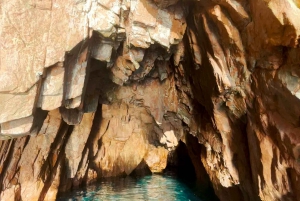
x,y
93,89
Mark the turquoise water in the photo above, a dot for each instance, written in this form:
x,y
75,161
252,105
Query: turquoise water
x,y
162,187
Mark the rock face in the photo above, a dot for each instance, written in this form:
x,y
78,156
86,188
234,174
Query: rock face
x,y
93,89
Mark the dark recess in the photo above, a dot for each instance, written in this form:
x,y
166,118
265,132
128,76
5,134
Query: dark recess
x,y
183,162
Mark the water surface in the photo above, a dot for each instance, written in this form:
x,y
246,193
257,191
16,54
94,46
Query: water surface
x,y
151,187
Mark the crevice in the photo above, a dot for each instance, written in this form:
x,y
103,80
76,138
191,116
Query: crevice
x,y
59,147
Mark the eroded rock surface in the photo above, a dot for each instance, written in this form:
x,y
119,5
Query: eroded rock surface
x,y
93,89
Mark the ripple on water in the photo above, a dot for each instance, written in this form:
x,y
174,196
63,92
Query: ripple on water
x,y
151,187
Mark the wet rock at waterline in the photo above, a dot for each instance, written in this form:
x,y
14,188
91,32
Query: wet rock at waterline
x,y
94,89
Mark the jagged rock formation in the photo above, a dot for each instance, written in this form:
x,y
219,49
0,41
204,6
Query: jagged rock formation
x,y
94,89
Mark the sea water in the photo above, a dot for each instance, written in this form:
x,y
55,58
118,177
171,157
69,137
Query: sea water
x,y
162,187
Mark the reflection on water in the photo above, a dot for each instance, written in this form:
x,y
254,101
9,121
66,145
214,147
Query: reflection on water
x,y
151,187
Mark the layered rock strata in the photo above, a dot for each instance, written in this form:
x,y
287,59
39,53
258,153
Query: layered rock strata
x,y
93,89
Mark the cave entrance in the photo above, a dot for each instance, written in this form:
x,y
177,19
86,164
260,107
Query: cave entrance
x,y
180,163
185,162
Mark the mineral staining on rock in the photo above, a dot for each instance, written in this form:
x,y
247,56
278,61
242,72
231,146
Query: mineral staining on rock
x,y
94,89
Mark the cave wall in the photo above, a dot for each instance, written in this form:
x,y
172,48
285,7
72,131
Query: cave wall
x,y
93,89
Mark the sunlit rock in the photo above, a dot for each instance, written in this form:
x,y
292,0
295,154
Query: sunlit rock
x,y
106,88
156,158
